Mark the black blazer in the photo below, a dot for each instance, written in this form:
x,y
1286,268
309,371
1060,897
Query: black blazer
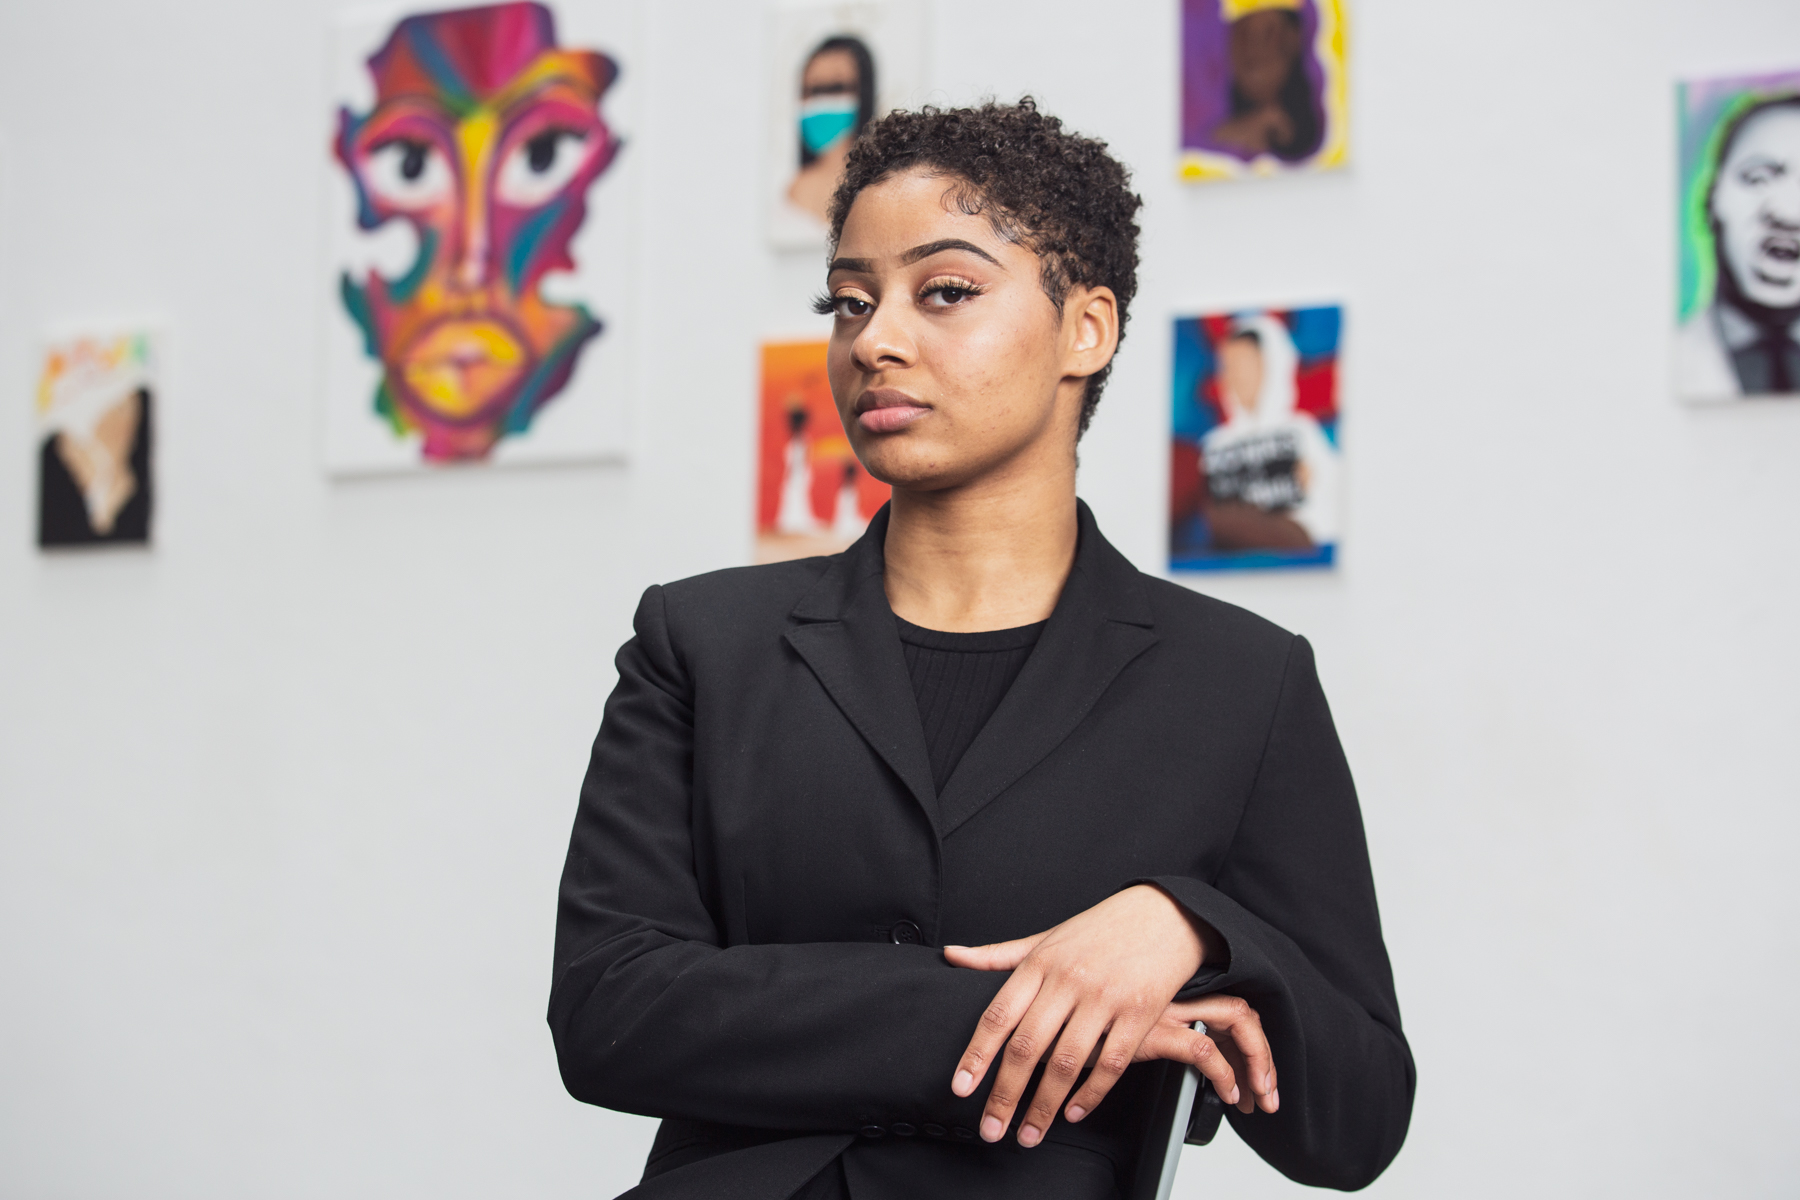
x,y
761,870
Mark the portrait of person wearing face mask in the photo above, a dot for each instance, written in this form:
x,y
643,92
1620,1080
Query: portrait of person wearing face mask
x,y
1746,342
837,99
835,66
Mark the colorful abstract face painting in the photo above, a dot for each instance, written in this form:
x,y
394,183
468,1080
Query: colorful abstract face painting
x,y
1263,87
813,497
484,137
1254,464
1738,331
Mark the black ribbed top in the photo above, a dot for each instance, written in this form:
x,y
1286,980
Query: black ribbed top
x,y
959,680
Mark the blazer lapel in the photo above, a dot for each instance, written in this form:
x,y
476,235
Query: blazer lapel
x,y
845,631
1101,623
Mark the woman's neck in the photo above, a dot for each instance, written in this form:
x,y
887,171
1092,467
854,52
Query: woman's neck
x,y
990,555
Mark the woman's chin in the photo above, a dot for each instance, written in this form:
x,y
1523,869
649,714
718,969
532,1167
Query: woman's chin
x,y
911,468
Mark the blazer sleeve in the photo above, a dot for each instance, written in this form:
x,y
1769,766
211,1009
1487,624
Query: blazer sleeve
x,y
1295,902
651,1013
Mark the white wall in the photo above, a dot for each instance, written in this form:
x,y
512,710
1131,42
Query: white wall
x,y
283,800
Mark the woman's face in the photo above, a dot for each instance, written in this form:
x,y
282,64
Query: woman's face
x,y
948,361
1264,46
830,95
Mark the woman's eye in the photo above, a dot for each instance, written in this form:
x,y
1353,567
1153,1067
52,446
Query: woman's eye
x,y
541,166
947,295
852,308
407,173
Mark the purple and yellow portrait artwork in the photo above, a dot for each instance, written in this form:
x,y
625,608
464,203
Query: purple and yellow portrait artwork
x,y
485,136
1263,87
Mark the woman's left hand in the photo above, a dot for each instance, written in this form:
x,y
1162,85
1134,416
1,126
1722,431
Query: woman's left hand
x,y
1090,990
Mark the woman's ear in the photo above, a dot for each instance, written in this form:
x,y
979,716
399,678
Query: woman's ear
x,y
1090,329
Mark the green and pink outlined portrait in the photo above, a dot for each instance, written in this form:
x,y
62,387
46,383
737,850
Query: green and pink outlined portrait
x,y
1738,296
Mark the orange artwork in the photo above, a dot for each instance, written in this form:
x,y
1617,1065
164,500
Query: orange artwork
x,y
812,496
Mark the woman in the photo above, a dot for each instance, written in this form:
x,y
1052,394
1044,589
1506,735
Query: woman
x,y
866,839
1273,107
837,101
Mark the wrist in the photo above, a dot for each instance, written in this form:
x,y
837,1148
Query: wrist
x,y
1210,945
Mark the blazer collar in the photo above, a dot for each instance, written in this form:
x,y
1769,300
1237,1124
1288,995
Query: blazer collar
x,y
844,629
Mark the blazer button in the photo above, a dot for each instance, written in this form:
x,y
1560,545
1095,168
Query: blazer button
x,y
905,933
901,1129
963,1135
872,1131
933,1130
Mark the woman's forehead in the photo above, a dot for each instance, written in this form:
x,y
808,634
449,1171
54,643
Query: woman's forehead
x,y
916,207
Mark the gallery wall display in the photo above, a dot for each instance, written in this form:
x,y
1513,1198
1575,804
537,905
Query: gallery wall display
x,y
836,67
480,237
812,496
1738,320
96,400
1254,466
1264,87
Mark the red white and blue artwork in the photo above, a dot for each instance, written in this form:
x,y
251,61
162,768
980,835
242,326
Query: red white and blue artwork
x,y
1255,450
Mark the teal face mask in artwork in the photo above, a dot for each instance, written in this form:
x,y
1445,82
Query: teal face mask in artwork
x,y
824,120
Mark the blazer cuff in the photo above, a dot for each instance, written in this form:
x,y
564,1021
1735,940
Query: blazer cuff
x,y
1223,915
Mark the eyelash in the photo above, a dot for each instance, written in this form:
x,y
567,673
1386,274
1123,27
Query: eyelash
x,y
826,305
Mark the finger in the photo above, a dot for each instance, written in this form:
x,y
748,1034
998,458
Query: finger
x,y
1198,1051
1062,1068
1246,1099
991,1032
1229,1017
1244,1027
1001,956
1119,1051
1036,1033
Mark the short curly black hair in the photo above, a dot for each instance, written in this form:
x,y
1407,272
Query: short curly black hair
x,y
1060,194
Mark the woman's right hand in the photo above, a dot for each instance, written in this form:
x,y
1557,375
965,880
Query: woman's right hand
x,y
1233,1052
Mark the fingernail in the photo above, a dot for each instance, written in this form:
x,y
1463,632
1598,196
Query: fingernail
x,y
1076,1112
1233,1098
1028,1136
963,1084
1274,1100
991,1129
1268,1082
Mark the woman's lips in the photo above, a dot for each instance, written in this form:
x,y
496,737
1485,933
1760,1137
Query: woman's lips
x,y
888,417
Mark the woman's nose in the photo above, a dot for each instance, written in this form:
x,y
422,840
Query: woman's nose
x,y
884,342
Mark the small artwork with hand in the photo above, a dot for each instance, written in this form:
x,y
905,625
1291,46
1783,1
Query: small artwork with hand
x,y
1254,464
1263,87
94,407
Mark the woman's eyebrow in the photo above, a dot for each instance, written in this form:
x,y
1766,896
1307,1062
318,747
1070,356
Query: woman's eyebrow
x,y
931,248
867,266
